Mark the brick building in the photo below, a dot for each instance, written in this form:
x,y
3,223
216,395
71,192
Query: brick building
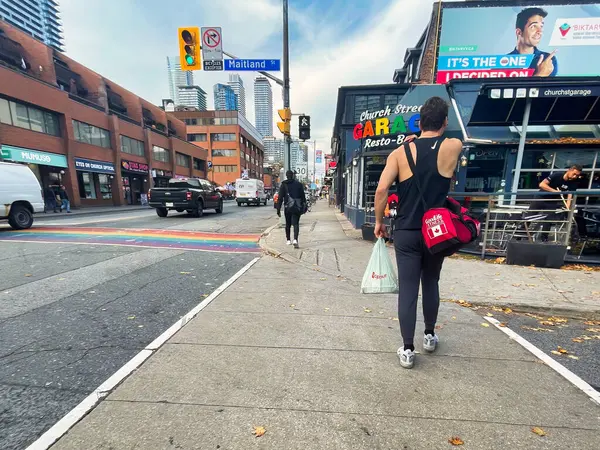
x,y
233,144
75,127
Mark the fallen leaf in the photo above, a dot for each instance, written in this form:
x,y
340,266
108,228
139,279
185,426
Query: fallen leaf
x,y
572,356
507,311
292,306
562,350
395,318
130,317
28,275
489,315
456,441
140,326
497,273
185,273
204,295
586,338
593,330
485,325
453,317
63,279
502,325
367,310
592,322
532,285
496,308
526,327
517,284
534,316
538,431
259,431
438,327
326,309
323,279
554,352
577,340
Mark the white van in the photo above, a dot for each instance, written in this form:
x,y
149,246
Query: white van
x,y
20,195
250,191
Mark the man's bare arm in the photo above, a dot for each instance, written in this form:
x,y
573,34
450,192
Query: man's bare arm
x,y
545,186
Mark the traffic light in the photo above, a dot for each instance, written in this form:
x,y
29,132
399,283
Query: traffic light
x,y
285,115
189,48
304,127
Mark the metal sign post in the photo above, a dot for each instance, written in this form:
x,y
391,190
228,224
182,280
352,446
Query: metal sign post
x,y
212,48
521,150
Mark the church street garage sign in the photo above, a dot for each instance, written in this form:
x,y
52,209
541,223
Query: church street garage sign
x,y
377,129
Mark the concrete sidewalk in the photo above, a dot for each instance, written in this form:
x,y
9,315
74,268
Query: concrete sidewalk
x,y
329,244
304,355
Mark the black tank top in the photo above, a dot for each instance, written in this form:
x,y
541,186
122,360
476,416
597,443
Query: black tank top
x,y
435,187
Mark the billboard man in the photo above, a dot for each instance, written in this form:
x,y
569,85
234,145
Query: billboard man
x,y
529,30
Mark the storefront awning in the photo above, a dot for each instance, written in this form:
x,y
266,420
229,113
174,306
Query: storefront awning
x,y
482,104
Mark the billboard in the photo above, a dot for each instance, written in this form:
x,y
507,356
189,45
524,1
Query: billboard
x,y
519,41
319,157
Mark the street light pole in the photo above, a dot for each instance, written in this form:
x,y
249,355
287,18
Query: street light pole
x,y
286,82
315,161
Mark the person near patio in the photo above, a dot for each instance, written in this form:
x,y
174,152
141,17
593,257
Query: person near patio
x,y
548,205
436,159
293,197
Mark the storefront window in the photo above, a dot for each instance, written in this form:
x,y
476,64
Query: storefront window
x,y
568,158
87,188
532,180
23,116
104,182
538,159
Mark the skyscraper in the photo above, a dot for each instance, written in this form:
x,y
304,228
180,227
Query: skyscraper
x,y
177,77
225,98
237,84
263,106
192,97
38,18
273,150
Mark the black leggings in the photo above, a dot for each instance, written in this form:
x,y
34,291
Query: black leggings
x,y
292,219
416,266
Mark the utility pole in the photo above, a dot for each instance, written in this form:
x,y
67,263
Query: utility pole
x,y
286,83
314,162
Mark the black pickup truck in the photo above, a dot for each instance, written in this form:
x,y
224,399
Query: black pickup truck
x,y
193,195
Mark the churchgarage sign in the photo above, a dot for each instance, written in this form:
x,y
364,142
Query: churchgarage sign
x,y
377,129
25,155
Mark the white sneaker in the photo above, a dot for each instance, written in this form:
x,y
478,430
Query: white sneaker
x,y
288,242
407,357
295,243
430,342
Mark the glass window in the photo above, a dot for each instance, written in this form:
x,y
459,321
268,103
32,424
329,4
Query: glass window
x,y
90,134
87,188
206,185
196,137
567,158
104,182
19,115
132,146
390,100
221,169
36,119
51,123
222,152
532,180
182,160
5,112
160,154
222,137
538,159
199,164
191,121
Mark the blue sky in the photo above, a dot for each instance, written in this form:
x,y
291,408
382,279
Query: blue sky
x,y
333,43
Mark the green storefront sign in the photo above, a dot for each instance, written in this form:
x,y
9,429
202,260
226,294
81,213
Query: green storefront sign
x,y
18,154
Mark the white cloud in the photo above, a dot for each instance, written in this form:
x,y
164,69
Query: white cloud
x,y
127,41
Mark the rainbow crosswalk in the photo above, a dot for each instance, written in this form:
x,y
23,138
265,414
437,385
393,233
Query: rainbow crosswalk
x,y
168,239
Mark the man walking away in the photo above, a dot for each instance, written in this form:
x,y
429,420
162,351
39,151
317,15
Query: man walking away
x,y
435,161
64,197
292,196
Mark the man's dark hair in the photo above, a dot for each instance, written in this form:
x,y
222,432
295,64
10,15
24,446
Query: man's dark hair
x,y
289,174
433,114
526,14
577,167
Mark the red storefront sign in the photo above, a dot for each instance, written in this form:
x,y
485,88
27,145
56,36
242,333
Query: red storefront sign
x,y
132,166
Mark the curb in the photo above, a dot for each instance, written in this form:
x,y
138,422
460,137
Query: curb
x,y
41,216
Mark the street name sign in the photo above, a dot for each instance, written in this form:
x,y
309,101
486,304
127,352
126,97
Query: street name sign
x,y
212,48
266,65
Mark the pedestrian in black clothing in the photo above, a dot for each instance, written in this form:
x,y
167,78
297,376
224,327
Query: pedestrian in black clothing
x,y
293,199
49,199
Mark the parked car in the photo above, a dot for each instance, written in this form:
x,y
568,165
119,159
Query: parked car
x,y
193,195
250,191
20,195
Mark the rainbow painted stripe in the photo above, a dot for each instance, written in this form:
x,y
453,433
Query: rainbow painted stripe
x,y
169,239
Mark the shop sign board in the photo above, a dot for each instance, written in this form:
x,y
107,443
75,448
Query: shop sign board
x,y
519,41
89,165
388,127
319,156
132,166
25,155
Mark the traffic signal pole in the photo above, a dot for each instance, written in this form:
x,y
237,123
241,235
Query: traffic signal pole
x,y
286,83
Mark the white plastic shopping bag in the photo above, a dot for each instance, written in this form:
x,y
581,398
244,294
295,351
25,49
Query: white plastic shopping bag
x,y
380,276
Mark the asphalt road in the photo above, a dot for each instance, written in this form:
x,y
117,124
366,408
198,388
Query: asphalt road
x,y
72,315
553,333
